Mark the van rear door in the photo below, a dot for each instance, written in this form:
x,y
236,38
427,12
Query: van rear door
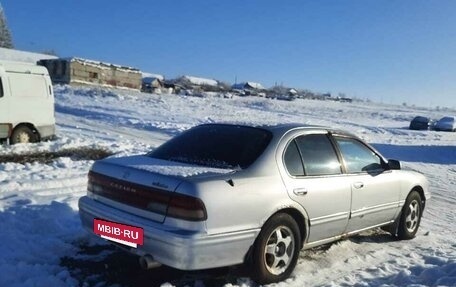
x,y
30,100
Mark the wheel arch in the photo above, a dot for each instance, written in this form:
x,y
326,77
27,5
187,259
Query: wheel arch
x,y
300,220
298,216
28,125
420,191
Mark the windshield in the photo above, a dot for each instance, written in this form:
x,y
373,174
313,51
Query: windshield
x,y
216,145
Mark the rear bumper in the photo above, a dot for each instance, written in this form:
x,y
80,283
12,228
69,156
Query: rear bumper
x,y
175,247
46,132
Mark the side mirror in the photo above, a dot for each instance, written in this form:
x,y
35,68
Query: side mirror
x,y
394,164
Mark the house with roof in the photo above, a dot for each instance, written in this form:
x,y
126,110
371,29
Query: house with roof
x,y
152,83
78,71
197,84
249,88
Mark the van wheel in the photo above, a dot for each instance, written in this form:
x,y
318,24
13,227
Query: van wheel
x,y
276,250
23,134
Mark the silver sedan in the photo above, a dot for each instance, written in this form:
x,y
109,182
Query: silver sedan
x,y
446,124
222,194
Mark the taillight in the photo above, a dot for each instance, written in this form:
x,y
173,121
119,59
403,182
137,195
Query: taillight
x,y
136,195
147,198
187,208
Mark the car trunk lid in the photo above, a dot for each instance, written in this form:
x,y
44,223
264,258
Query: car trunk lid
x,y
127,184
146,187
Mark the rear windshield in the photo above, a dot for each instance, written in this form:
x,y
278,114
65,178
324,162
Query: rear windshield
x,y
220,146
421,119
447,119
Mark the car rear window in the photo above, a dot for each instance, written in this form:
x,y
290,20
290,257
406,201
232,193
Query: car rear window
x,y
421,119
220,146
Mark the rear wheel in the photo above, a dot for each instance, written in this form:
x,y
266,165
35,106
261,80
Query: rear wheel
x,y
410,216
276,249
23,134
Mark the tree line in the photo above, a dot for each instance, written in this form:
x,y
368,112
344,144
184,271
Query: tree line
x,y
6,40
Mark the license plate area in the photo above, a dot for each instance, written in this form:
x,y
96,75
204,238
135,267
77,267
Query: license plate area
x,y
121,233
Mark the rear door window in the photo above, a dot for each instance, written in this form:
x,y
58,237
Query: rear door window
x,y
318,155
311,155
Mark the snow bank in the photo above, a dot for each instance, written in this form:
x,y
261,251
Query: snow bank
x,y
39,221
31,251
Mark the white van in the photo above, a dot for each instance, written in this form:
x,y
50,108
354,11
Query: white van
x,y
26,103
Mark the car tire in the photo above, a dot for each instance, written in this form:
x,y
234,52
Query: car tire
x,y
410,216
276,249
23,134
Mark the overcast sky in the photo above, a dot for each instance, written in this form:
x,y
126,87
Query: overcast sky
x,y
388,51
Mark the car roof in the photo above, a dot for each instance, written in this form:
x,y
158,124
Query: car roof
x,y
281,129
421,118
284,128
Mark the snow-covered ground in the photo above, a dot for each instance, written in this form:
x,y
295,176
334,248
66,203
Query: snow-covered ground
x,y
43,244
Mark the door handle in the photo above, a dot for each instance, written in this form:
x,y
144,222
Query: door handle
x,y
300,191
358,185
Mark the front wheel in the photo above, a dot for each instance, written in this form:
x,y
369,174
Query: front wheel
x,y
276,249
410,217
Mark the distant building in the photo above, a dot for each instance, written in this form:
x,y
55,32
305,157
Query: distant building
x,y
292,92
197,84
87,72
248,86
190,81
156,76
249,89
152,83
344,99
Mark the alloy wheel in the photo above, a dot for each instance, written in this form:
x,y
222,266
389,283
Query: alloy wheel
x,y
413,215
279,250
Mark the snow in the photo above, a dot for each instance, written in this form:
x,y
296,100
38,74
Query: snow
x,y
103,65
153,76
164,167
201,81
23,56
38,202
257,86
149,80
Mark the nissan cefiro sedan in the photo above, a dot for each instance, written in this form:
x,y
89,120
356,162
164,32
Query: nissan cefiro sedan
x,y
221,194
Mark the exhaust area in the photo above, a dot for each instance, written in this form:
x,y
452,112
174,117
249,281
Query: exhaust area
x,y
148,262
